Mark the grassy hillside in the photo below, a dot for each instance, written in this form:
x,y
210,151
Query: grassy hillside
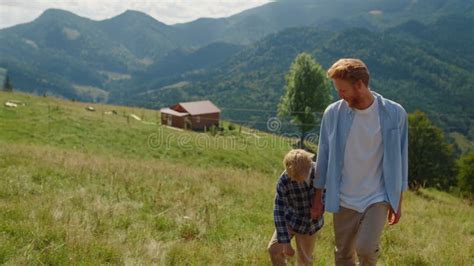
x,y
82,187
65,124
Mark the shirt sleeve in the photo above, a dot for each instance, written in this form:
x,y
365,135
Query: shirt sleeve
x,y
404,149
322,156
281,202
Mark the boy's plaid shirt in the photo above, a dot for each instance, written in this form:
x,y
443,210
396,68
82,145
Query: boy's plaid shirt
x,y
293,207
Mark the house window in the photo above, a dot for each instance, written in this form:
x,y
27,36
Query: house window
x,y
198,119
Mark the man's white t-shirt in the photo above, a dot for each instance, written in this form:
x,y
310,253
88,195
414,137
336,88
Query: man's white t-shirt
x,y
362,183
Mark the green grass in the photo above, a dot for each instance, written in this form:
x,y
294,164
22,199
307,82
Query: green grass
x,y
53,122
83,190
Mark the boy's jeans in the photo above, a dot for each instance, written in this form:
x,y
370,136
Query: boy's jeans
x,y
304,248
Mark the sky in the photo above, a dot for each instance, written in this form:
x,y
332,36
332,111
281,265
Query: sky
x,y
167,11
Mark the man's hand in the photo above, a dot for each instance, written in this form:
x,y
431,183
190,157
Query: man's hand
x,y
394,217
317,208
288,250
317,211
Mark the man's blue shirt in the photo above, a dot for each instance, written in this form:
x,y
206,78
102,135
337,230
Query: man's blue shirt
x,y
335,126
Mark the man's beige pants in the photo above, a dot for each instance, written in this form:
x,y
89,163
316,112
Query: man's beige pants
x,y
358,234
304,249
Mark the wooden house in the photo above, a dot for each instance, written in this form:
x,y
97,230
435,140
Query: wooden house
x,y
191,115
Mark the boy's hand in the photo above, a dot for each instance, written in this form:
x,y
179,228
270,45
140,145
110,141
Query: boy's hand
x,y
288,250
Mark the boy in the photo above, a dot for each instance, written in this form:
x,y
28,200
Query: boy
x,y
292,212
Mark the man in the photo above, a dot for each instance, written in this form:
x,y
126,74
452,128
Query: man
x,y
362,163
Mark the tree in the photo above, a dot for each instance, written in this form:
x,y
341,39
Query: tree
x,y
7,86
465,166
307,91
430,157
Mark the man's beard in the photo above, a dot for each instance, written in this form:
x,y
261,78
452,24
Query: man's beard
x,y
353,102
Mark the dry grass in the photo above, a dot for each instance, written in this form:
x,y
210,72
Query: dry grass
x,y
65,207
84,207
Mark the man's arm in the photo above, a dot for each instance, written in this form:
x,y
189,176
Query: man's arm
x,y
404,149
394,217
317,207
320,171
322,156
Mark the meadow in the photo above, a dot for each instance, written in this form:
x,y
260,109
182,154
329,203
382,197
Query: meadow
x,y
88,188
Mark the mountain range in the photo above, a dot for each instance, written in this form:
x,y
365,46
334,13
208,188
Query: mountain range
x,y
420,54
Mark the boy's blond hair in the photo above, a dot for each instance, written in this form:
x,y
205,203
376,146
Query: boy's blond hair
x,y
298,164
351,70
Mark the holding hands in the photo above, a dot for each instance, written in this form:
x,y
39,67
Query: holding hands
x,y
317,207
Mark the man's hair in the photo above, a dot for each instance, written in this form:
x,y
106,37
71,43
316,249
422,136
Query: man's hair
x,y
298,164
350,69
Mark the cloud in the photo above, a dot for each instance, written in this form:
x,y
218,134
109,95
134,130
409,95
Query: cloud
x,y
167,11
